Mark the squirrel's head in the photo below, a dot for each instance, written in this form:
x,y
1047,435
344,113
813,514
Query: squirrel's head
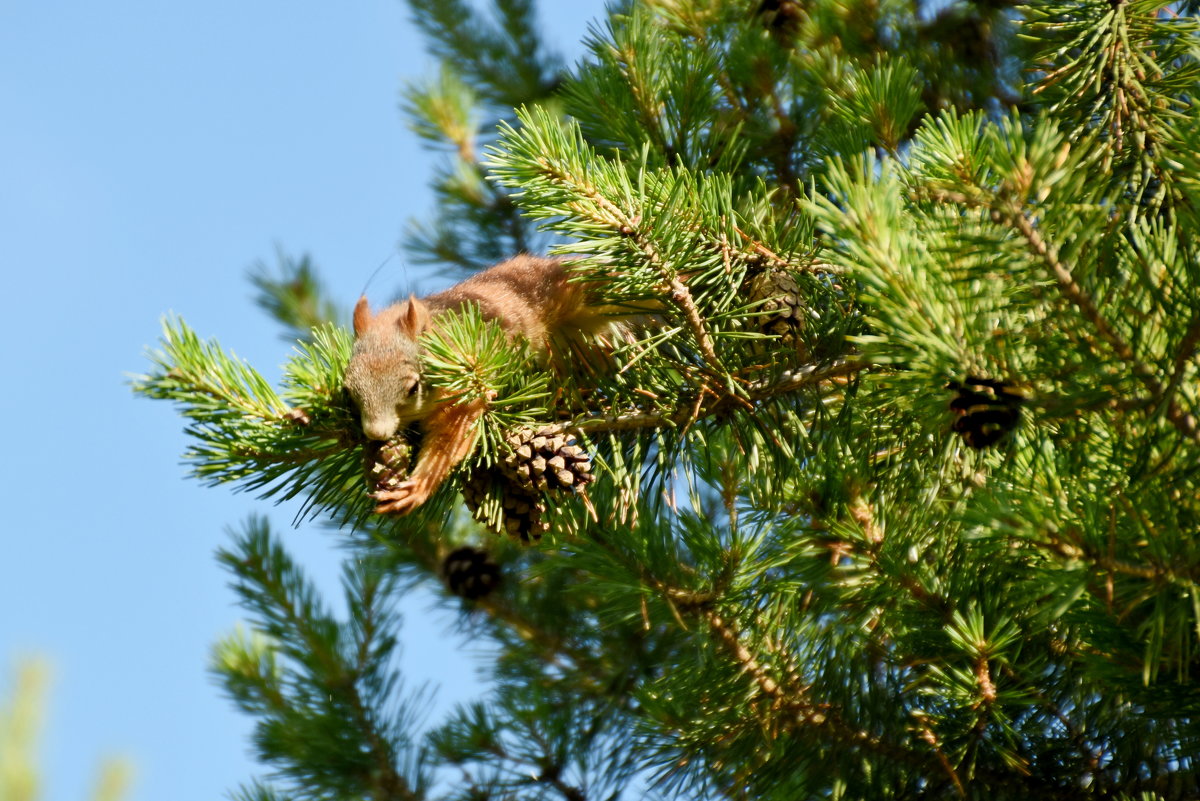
x,y
384,373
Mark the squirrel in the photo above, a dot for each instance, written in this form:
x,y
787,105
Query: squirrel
x,y
529,296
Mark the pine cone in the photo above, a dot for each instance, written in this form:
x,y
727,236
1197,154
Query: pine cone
x,y
509,500
470,573
782,312
475,487
782,17
504,507
385,464
522,520
986,410
546,460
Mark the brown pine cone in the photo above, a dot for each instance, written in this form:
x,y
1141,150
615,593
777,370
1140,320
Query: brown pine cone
x,y
523,517
546,460
503,506
386,464
475,488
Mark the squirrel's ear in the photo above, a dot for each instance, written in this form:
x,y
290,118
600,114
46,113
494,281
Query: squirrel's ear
x,y
362,316
415,318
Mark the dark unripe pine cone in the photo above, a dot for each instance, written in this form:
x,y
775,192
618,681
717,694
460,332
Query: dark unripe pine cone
x,y
781,309
985,410
470,573
782,17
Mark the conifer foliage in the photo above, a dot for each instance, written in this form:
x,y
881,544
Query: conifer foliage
x,y
894,494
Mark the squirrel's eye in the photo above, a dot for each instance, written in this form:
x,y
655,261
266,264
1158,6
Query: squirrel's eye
x,y
412,387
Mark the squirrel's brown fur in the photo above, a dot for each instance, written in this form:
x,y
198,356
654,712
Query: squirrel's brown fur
x,y
529,296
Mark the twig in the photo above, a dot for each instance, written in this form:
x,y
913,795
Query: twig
x,y
792,700
681,296
1156,573
928,735
1187,349
983,675
1031,687
729,638
786,382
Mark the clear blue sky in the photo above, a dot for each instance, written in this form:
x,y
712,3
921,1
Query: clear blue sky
x,y
150,153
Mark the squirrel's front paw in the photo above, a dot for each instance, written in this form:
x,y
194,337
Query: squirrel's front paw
x,y
407,495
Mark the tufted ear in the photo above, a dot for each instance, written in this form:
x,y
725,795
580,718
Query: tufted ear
x,y
362,316
415,318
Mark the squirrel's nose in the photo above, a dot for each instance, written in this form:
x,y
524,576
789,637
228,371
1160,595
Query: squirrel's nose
x,y
380,429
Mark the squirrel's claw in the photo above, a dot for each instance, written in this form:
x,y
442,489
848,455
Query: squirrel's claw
x,y
407,495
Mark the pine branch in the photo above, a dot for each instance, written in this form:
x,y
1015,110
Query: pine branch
x,y
506,64
565,181
261,792
295,297
207,381
1118,71
485,70
787,382
298,443
320,723
1069,545
789,702
1017,219
1184,357
822,720
510,617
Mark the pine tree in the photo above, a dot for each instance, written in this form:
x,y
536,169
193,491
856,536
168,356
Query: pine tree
x,y
22,708
894,497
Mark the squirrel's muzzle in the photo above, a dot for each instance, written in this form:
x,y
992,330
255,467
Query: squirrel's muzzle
x,y
380,428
